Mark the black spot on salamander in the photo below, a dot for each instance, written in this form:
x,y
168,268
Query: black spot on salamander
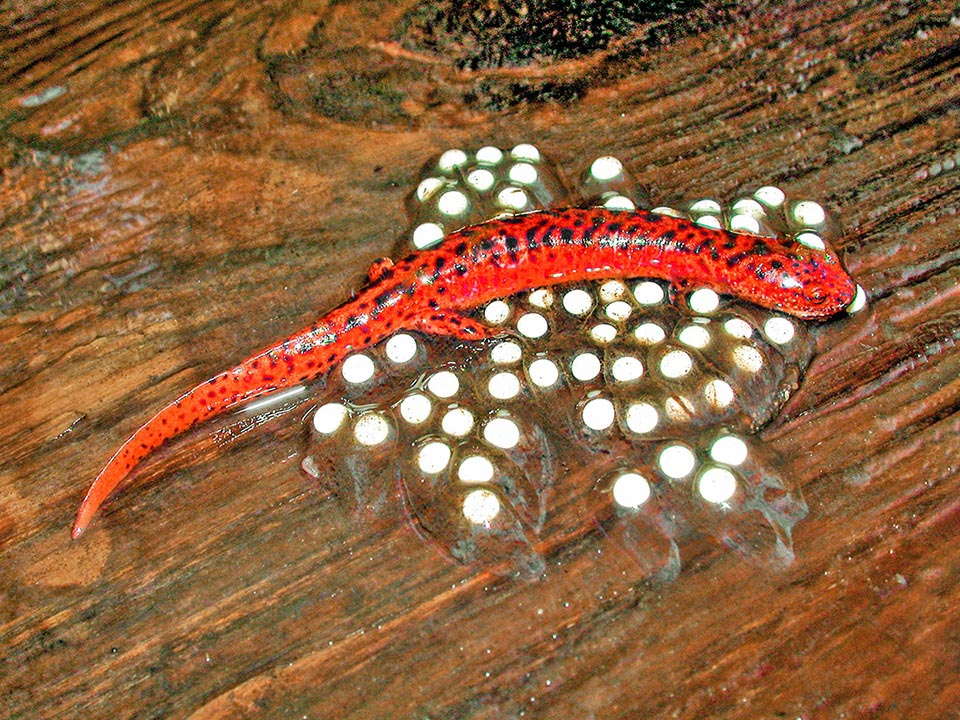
x,y
532,243
732,236
486,244
776,264
514,258
439,262
760,248
441,290
434,304
381,300
566,235
460,268
597,220
736,259
461,249
613,228
714,253
352,322
511,242
548,240
578,222
729,244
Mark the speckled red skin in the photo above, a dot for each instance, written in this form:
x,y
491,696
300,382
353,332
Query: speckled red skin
x,y
426,291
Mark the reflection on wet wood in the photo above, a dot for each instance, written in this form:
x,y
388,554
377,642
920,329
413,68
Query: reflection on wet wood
x,y
182,183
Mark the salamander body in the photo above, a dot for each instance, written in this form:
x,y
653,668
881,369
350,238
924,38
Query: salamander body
x,y
429,292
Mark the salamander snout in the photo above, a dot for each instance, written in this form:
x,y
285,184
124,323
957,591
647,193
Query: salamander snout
x,y
824,292
805,286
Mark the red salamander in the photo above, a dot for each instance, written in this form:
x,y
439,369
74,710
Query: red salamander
x,y
428,291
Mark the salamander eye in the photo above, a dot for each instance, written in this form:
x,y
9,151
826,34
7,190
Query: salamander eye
x,y
815,294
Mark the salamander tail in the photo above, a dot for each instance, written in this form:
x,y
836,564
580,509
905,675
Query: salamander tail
x,y
201,403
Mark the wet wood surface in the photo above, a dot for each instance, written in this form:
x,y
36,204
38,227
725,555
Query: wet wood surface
x,y
183,183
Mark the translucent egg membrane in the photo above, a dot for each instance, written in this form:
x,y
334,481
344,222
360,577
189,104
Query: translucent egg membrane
x,y
603,407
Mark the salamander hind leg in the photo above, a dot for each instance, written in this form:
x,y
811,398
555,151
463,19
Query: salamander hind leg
x,y
455,325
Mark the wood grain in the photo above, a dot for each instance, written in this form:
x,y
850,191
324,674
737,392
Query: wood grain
x,y
184,182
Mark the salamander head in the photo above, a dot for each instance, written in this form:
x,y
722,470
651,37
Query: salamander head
x,y
806,283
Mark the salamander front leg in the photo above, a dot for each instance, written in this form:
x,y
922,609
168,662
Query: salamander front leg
x,y
679,295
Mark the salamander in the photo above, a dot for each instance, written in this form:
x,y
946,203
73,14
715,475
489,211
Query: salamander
x,y
430,291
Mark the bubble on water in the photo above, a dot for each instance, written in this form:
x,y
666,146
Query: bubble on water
x,y
481,506
329,418
504,385
677,461
649,293
358,369
717,484
496,312
631,490
415,408
401,348
532,325
585,366
505,353
475,469
598,414
577,302
457,421
544,372
443,384
371,429
451,159
434,457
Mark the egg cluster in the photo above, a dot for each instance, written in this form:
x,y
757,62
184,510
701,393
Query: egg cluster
x,y
600,402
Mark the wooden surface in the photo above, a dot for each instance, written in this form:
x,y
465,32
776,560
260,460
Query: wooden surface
x,y
182,183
